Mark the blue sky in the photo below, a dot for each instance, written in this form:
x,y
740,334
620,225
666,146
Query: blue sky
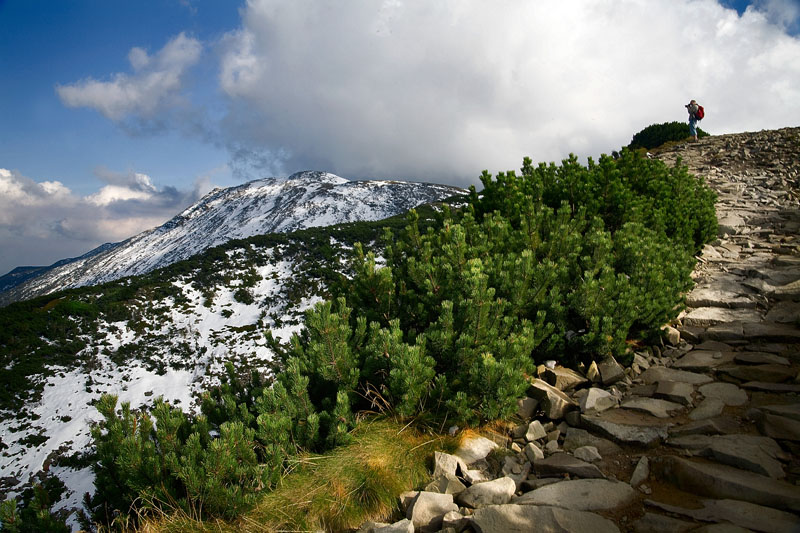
x,y
116,115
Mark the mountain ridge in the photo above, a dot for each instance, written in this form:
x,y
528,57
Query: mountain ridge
x,y
304,199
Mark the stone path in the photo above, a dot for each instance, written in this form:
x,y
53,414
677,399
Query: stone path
x,y
701,435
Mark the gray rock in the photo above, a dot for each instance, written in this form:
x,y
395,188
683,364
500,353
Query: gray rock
x,y
752,516
748,452
588,454
576,438
660,373
771,387
726,482
581,495
563,463
671,335
445,485
702,361
533,452
526,407
597,400
766,373
709,426
407,498
653,406
496,492
647,436
445,464
791,410
551,446
455,520
728,393
564,379
674,391
474,449
528,518
710,316
708,408
535,431
759,358
779,427
771,331
641,472
553,402
428,509
403,526
714,346
610,371
784,312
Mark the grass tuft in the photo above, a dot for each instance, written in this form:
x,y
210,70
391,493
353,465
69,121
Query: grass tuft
x,y
337,491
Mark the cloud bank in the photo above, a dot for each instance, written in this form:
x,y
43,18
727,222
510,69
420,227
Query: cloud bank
x,y
155,83
439,91
45,221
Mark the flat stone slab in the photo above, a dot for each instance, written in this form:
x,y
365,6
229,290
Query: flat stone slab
x,y
675,391
513,518
791,410
769,373
708,426
745,514
653,406
771,331
659,523
702,297
640,435
702,360
779,427
748,452
770,387
581,495
564,463
784,312
708,408
726,332
726,482
760,358
728,393
710,316
662,373
577,438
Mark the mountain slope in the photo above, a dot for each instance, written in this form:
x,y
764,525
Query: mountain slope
x,y
304,200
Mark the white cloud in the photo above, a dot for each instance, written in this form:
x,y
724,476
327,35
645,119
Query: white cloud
x,y
442,90
155,82
42,222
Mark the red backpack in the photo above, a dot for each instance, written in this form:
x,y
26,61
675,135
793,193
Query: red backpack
x,y
700,113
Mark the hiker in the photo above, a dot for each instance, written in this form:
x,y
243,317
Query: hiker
x,y
695,114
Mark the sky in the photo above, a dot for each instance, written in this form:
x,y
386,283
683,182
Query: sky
x,y
117,115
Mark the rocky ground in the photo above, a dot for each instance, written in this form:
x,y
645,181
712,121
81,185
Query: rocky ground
x,y
702,434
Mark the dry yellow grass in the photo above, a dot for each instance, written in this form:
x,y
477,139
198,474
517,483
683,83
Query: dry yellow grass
x,y
337,491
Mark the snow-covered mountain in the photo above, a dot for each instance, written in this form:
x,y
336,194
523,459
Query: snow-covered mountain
x,y
169,334
304,200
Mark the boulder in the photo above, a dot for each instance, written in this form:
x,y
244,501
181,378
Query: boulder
x,y
526,407
496,492
474,448
597,400
588,454
728,393
674,391
660,373
535,431
653,406
526,518
533,452
563,463
428,509
576,437
403,526
553,402
563,379
645,435
445,485
581,495
726,482
610,371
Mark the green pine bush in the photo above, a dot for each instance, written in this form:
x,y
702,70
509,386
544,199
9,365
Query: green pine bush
x,y
655,135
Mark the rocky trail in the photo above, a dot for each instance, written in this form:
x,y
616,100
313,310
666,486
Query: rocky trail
x,y
702,434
